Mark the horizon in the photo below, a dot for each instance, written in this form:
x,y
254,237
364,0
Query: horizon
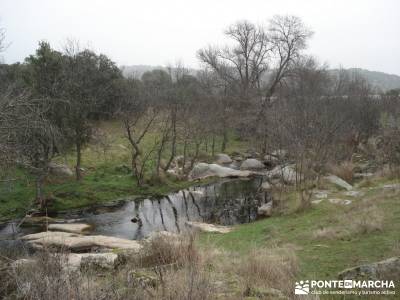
x,y
348,35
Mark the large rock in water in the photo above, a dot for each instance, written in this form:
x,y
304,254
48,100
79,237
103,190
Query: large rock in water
x,y
388,269
339,182
60,170
223,159
77,242
204,170
252,164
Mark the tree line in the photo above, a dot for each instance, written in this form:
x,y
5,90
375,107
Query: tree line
x,y
262,87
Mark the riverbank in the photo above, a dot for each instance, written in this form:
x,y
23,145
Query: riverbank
x,y
328,237
262,259
106,177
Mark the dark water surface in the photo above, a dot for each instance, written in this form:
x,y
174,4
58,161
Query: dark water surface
x,y
226,202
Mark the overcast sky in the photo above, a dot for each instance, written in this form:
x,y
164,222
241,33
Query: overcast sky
x,y
348,33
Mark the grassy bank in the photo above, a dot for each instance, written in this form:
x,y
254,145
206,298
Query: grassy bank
x,y
327,238
106,176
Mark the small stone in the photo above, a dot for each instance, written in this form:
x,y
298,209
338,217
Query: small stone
x,y
316,201
340,201
354,193
265,210
205,227
266,186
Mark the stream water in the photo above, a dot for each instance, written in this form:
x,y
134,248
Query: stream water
x,y
226,202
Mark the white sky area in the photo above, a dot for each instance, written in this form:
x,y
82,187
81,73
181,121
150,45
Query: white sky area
x,y
348,33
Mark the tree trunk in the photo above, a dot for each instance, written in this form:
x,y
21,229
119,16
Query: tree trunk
x,y
39,190
136,171
213,145
224,140
173,143
78,161
184,156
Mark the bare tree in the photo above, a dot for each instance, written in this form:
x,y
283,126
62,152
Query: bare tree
x,y
245,62
3,45
28,137
258,62
138,116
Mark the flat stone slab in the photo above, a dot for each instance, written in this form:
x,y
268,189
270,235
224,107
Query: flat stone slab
x,y
321,194
363,175
31,221
339,182
77,242
354,193
205,227
392,186
340,201
73,227
316,201
204,170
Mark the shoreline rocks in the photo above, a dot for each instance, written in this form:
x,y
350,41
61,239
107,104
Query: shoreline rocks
x,y
286,173
205,227
223,159
265,210
72,228
339,182
77,242
204,170
252,164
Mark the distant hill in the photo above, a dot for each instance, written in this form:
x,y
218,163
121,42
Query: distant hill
x,y
138,70
380,80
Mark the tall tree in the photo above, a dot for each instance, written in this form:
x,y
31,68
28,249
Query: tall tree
x,y
89,87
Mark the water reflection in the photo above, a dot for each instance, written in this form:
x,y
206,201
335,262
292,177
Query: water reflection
x,y
227,202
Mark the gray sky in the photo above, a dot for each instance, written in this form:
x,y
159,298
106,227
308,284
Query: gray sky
x,y
351,33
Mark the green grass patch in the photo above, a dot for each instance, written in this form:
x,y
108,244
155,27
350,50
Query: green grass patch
x,y
319,259
102,181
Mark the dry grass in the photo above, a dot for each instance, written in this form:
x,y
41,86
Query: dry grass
x,y
327,233
396,248
344,170
389,172
361,218
264,270
168,250
46,279
168,268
